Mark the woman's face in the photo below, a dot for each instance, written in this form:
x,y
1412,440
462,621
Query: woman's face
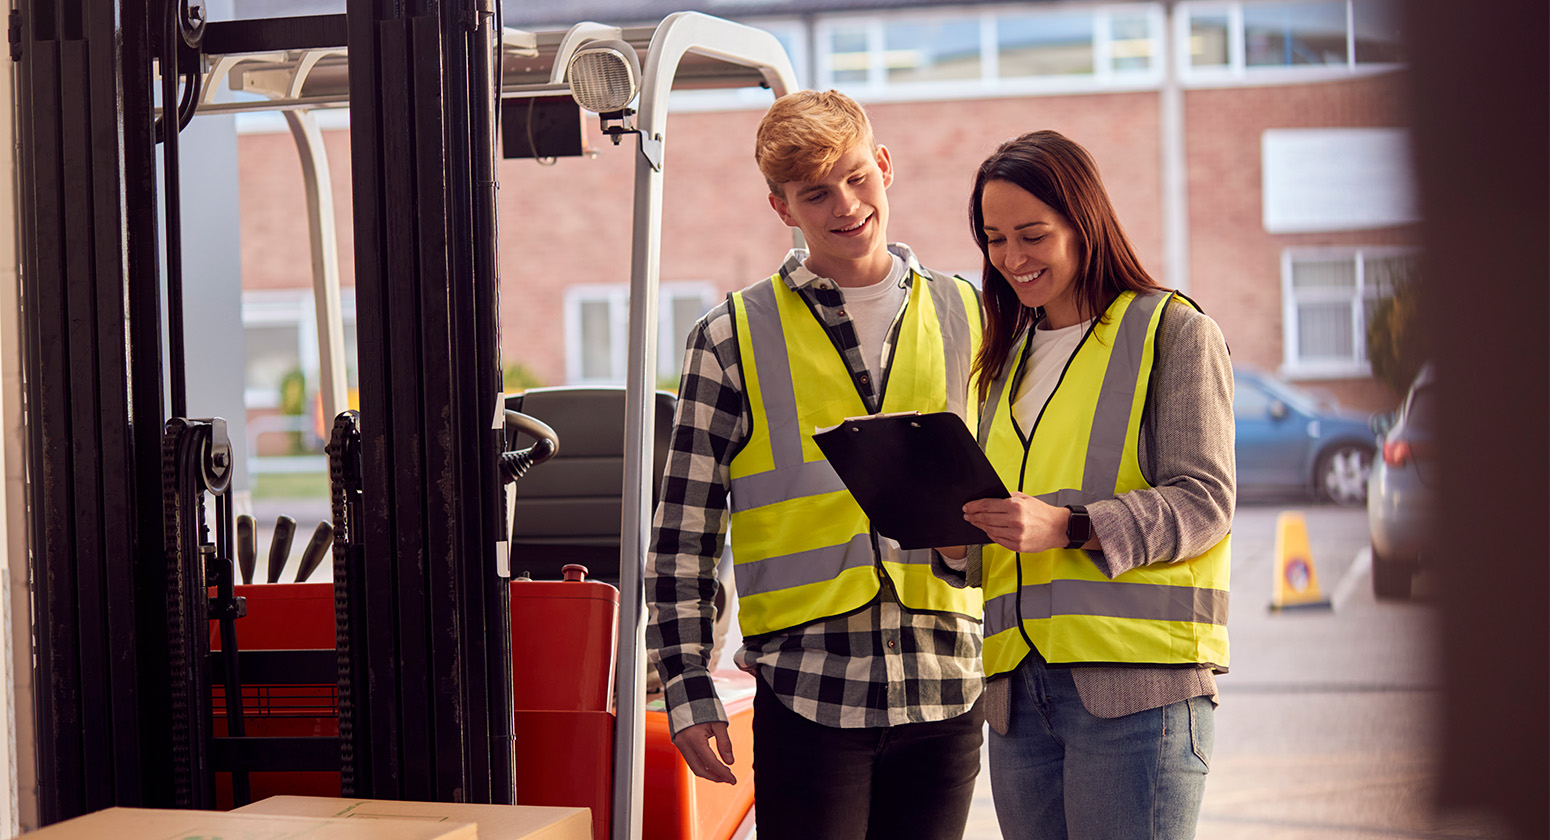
x,y
1035,249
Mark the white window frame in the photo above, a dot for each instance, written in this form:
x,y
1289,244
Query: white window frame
x,y
1359,297
1103,43
290,308
1237,72
617,296
877,88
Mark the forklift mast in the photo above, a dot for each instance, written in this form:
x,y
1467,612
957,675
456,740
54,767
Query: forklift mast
x,y
426,642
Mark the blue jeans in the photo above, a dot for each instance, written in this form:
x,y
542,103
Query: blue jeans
x,y
1061,772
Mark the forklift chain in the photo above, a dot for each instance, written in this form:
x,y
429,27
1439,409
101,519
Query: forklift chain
x,y
184,525
344,473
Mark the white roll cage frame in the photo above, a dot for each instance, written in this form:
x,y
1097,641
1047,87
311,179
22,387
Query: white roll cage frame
x,y
688,48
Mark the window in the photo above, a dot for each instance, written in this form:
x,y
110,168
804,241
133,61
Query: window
x,y
1046,44
1210,39
1053,47
283,375
597,320
931,51
1251,41
1249,401
1377,34
1328,298
849,53
1130,42
281,336
1288,34
967,51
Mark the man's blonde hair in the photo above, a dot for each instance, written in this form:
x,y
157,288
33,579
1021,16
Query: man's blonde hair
x,y
805,133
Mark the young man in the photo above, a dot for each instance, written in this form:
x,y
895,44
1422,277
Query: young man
x,y
866,720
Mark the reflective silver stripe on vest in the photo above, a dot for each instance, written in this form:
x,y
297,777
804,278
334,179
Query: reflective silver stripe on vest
x,y
993,397
780,400
791,477
954,322
909,557
779,485
1111,417
1061,498
1143,601
786,571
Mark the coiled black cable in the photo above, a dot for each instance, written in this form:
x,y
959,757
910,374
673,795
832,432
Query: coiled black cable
x,y
515,464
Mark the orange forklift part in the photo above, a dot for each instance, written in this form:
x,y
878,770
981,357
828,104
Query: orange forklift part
x,y
681,805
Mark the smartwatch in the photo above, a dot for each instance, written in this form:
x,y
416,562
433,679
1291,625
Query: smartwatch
x,y
1079,528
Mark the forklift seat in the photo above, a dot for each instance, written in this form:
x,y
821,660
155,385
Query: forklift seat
x,y
568,508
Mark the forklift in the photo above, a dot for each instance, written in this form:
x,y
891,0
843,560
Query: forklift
x,y
424,671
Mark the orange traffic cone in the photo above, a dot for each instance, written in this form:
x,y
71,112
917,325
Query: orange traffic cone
x,y
1296,583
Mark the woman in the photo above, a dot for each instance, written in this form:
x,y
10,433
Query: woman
x,y
1107,409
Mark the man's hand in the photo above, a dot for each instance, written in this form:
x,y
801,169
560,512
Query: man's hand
x,y
694,743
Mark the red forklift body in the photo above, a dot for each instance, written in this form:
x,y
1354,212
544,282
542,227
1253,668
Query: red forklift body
x,y
282,616
563,642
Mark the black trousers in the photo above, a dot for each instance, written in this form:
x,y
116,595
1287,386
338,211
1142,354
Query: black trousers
x,y
814,782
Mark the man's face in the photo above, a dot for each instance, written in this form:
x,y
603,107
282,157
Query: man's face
x,y
843,216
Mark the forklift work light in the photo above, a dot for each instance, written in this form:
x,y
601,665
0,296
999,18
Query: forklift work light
x,y
604,76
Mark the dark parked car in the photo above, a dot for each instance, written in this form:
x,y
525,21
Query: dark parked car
x,y
1399,497
1291,441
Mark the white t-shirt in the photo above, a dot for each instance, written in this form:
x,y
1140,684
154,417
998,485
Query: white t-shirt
x,y
1047,359
872,309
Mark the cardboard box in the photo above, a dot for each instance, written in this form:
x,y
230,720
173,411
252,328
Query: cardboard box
x,y
496,822
158,824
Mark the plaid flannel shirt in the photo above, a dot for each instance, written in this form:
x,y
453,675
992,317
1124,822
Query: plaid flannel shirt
x,y
881,665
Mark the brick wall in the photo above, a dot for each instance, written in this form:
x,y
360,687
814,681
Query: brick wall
x,y
276,253
1235,265
571,222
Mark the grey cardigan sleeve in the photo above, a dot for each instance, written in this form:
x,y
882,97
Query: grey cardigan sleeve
x,y
971,572
1186,453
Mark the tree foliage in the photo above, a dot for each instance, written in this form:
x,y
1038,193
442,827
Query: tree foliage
x,y
1397,341
517,377
293,392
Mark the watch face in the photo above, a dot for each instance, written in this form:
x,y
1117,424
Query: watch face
x,y
1079,528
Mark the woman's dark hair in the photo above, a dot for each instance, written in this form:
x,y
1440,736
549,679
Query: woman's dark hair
x,y
1060,173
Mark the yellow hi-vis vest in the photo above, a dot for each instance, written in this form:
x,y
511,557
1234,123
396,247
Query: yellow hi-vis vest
x,y
1083,448
802,548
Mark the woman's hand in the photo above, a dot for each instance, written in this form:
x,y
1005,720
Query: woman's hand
x,y
1020,523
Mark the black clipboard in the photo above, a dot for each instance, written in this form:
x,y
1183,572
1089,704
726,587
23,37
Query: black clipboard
x,y
912,474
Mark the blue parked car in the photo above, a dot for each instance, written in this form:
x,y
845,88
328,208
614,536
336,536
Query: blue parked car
x,y
1400,497
1290,441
